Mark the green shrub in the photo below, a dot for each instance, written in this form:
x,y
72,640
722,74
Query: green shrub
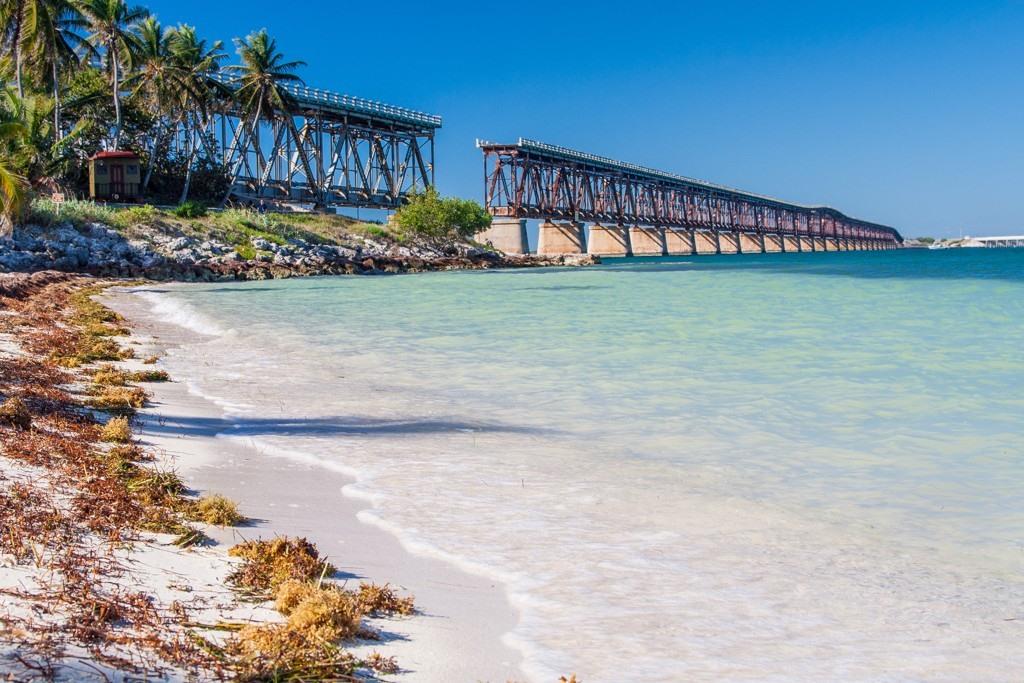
x,y
190,209
132,216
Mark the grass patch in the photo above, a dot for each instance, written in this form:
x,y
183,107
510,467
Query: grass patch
x,y
118,430
190,209
15,413
268,564
215,509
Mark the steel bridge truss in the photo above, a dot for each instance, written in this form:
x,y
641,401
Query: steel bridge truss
x,y
534,180
331,150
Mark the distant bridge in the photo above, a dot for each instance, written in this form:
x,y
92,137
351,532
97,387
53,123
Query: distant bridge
x,y
330,150
642,211
995,242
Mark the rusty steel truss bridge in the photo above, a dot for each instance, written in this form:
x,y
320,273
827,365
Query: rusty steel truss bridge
x,y
328,150
638,210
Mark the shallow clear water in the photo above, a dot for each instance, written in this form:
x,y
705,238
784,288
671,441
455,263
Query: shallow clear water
x,y
786,467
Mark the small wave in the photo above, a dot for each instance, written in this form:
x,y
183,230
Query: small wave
x,y
177,312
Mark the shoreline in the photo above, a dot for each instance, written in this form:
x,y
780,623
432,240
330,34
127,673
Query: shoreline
x,y
460,631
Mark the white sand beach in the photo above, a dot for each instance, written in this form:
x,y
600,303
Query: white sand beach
x,y
457,635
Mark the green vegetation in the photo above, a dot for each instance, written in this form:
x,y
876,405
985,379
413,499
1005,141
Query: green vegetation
x,y
431,219
81,76
190,209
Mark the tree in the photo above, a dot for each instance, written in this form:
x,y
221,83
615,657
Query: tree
x,y
198,90
13,184
112,23
12,17
436,220
260,85
54,30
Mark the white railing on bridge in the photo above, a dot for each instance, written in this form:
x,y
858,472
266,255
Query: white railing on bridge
x,y
995,241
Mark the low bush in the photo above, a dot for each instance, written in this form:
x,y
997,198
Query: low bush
x,y
190,209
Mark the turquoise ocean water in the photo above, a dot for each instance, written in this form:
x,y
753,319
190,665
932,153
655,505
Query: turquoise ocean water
x,y
784,467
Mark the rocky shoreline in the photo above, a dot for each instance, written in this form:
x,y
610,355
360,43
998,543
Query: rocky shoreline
x,y
98,249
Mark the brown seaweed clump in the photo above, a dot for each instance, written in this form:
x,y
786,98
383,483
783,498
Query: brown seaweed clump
x,y
215,509
117,430
15,413
268,564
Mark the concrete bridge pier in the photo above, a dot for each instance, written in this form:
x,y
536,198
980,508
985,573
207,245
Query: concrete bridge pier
x,y
773,244
507,235
805,243
555,239
680,242
729,243
647,241
750,244
791,243
831,244
819,243
607,240
707,243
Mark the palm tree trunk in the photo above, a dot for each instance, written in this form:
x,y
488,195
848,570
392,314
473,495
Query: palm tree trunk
x,y
16,44
57,132
117,97
157,137
193,153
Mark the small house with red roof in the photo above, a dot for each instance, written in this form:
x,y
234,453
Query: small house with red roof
x,y
115,176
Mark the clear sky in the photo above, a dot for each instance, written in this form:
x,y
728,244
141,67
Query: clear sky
x,y
905,113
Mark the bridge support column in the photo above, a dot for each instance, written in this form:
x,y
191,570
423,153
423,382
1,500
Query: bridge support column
x,y
773,244
791,243
679,242
706,242
561,238
729,243
805,243
647,241
507,235
831,244
607,240
750,244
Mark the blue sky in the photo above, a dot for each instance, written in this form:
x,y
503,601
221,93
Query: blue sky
x,y
909,114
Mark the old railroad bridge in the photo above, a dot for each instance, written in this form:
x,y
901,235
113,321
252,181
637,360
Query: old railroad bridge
x,y
643,212
336,150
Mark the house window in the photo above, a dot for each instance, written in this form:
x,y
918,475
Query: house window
x,y
101,169
133,169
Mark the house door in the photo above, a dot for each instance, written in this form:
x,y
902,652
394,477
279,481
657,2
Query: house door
x,y
116,179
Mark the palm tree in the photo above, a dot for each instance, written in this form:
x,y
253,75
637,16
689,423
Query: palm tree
x,y
54,30
12,17
260,81
199,91
111,23
156,81
13,185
